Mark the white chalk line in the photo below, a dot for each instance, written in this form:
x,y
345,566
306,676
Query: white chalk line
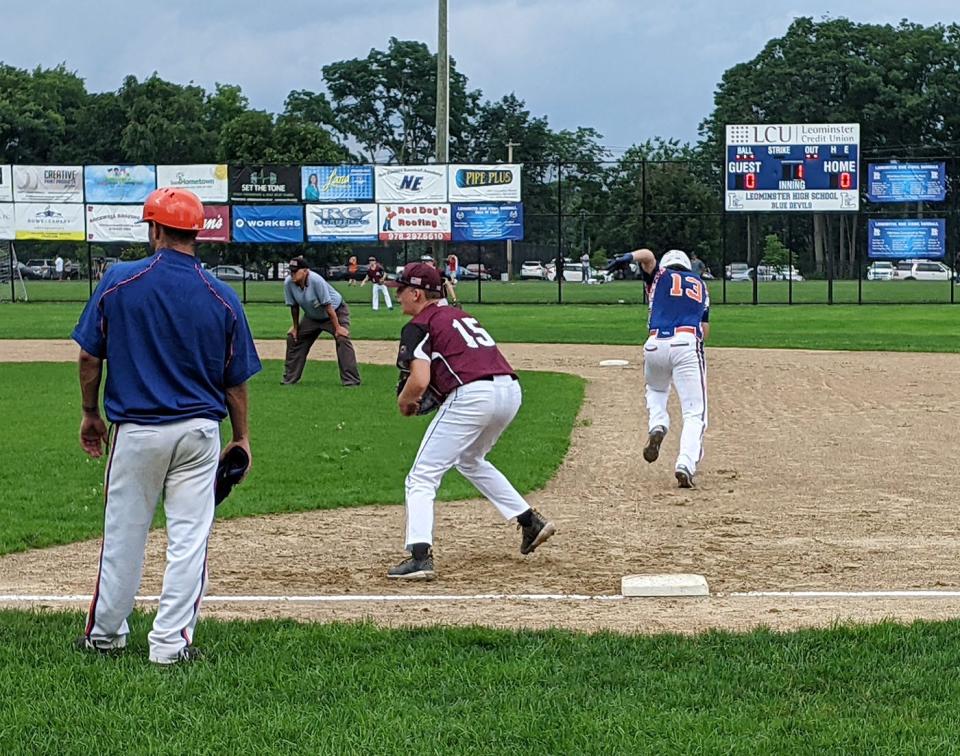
x,y
450,598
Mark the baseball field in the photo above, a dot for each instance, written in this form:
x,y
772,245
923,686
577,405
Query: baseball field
x,y
828,468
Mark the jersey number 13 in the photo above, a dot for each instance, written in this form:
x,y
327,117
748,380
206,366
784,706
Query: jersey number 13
x,y
689,286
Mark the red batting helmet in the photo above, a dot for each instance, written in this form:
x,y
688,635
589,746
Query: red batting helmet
x,y
174,208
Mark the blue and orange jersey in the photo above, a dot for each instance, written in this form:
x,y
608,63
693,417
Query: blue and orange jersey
x,y
677,298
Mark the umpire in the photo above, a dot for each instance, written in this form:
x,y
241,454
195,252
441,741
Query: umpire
x,y
323,310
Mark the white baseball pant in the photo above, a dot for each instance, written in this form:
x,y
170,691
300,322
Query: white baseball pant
x,y
381,289
178,461
464,430
680,360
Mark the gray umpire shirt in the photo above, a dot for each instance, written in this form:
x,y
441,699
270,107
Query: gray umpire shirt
x,y
312,298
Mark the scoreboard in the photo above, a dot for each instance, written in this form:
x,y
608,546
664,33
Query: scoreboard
x,y
793,168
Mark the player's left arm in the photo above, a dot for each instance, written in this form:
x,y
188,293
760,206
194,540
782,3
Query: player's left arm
x,y
705,318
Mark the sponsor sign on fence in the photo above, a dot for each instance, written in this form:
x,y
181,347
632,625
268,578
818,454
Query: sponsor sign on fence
x,y
207,180
268,224
410,222
414,183
6,183
115,223
216,224
49,221
48,183
337,183
7,224
906,239
264,183
484,183
334,223
118,183
906,182
489,222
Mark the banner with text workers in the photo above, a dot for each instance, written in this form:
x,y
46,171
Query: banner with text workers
x,y
115,223
411,222
264,183
207,180
116,184
268,224
411,183
49,222
216,224
340,223
490,222
484,183
6,183
48,183
337,183
7,224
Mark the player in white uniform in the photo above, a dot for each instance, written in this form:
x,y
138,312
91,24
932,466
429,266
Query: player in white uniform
x,y
679,324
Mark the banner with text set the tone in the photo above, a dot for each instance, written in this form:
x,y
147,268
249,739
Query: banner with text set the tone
x,y
411,183
207,180
268,224
118,184
337,183
413,222
48,183
44,221
342,223
484,183
260,184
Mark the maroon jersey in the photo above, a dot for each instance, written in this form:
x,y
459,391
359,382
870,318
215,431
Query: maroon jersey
x,y
375,275
459,350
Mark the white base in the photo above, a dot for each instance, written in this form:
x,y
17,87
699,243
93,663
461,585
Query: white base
x,y
664,585
614,363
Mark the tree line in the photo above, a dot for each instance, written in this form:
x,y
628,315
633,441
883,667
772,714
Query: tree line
x,y
900,82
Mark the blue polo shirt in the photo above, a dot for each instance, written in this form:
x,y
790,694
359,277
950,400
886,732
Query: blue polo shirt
x,y
312,298
174,338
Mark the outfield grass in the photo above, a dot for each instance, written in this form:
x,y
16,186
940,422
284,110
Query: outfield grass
x,y
280,687
316,445
543,292
930,328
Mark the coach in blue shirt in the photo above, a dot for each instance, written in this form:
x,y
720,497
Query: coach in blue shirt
x,y
323,309
179,353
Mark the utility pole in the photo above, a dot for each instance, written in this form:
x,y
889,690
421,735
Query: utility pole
x,y
510,145
443,102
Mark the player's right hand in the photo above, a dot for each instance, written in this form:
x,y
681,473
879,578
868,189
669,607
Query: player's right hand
x,y
620,262
93,435
294,332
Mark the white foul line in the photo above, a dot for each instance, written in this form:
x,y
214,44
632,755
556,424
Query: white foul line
x,y
340,598
847,594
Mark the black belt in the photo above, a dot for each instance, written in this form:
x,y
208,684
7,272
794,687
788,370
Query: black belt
x,y
491,377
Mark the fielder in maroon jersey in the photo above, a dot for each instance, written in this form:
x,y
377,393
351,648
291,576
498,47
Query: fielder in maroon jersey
x,y
449,355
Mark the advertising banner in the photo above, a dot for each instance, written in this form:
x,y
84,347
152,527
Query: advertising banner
x,y
414,222
208,180
264,183
115,223
48,183
216,224
6,183
337,183
907,182
268,224
484,183
490,222
906,239
334,223
7,224
118,183
415,183
49,222
793,167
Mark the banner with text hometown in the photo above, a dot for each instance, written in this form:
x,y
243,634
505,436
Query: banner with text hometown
x,y
6,183
342,223
7,223
207,180
411,183
48,183
337,183
268,224
410,222
49,222
484,183
793,167
115,223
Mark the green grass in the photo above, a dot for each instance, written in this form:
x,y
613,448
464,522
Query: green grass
x,y
280,687
930,328
316,445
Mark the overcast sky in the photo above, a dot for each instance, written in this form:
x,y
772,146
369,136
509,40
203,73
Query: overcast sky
x,y
632,69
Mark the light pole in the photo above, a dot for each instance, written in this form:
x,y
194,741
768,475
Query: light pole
x,y
510,145
443,87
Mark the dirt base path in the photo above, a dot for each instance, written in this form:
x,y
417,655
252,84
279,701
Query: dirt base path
x,y
823,471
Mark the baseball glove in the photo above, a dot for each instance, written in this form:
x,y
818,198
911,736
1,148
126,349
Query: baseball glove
x,y
430,399
230,471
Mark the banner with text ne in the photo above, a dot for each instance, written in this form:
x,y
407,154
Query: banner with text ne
x,y
411,183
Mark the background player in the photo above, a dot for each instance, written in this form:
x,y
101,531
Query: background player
x,y
679,323
375,275
449,353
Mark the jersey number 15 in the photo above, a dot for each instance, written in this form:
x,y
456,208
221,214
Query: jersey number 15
x,y
474,336
690,286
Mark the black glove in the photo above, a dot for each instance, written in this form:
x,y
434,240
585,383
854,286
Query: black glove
x,y
618,263
428,402
230,471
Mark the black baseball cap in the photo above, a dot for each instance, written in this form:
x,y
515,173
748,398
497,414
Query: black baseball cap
x,y
298,263
419,276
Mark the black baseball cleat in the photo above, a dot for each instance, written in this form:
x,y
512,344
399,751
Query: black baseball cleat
x,y
652,450
85,644
684,477
185,655
538,531
412,568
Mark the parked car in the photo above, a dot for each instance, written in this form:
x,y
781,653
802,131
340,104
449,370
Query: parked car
x,y
921,270
26,272
533,269
781,273
470,273
47,268
234,273
881,270
736,271
572,271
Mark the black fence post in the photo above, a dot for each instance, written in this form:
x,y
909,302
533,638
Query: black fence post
x,y
559,266
243,272
89,271
830,273
13,272
723,251
479,273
